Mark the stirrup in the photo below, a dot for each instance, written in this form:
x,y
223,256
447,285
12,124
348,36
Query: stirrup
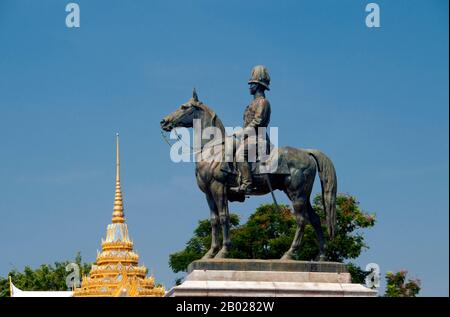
x,y
236,189
242,189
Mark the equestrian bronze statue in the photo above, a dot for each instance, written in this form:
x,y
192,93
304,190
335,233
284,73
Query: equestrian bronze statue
x,y
223,182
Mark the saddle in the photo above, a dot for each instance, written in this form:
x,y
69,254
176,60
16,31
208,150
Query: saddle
x,y
273,165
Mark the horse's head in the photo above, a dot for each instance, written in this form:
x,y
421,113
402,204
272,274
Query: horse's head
x,y
183,116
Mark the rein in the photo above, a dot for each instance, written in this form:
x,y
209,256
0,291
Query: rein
x,y
213,118
179,138
167,140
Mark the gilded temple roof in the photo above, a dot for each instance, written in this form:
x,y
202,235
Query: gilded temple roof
x,y
117,271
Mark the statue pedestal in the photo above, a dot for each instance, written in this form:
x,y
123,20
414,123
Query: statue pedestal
x,y
268,278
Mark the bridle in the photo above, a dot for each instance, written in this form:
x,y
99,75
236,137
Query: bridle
x,y
179,138
213,118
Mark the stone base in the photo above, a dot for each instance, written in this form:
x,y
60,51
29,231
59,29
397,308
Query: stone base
x,y
267,278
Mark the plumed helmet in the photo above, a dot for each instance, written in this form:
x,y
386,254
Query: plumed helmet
x,y
260,75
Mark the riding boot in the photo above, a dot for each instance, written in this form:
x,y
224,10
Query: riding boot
x,y
245,185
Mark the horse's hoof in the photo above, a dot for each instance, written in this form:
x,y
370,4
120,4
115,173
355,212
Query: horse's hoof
x,y
210,254
287,256
223,253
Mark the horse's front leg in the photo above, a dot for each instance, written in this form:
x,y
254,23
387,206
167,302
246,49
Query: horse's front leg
x,y
220,197
215,228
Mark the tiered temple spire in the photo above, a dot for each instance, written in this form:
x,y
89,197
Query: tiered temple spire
x,y
118,216
116,271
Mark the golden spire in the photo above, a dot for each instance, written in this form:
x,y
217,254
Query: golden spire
x,y
118,216
116,271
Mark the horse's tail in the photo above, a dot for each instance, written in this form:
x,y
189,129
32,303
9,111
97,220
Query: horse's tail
x,y
328,180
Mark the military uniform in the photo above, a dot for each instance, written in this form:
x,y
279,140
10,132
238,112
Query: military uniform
x,y
256,115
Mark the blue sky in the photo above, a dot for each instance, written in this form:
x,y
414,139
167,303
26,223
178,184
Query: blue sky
x,y
374,100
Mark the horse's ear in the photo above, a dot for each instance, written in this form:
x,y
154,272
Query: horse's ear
x,y
194,95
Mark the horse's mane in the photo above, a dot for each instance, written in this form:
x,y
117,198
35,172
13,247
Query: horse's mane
x,y
212,113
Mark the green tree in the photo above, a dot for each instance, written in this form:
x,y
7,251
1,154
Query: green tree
x,y
396,285
268,234
197,245
46,277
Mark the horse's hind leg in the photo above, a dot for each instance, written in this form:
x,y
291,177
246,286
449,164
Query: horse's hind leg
x,y
314,219
300,208
215,228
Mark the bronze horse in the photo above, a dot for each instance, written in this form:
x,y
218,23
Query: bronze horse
x,y
297,184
